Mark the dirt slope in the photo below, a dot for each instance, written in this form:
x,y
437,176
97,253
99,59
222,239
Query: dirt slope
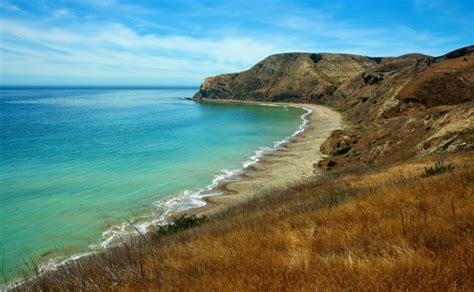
x,y
287,77
396,107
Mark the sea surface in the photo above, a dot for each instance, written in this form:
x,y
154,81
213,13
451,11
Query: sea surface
x,y
78,162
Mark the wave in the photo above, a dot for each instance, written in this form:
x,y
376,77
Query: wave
x,y
188,199
195,198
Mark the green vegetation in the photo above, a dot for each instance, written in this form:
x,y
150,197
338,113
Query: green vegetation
x,y
180,223
371,229
344,150
331,163
438,168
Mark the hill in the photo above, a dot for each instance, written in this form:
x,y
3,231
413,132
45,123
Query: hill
x,y
397,107
392,209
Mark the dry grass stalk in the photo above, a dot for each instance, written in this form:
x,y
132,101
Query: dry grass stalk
x,y
378,229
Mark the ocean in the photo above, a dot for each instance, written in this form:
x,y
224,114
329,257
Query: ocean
x,y
78,162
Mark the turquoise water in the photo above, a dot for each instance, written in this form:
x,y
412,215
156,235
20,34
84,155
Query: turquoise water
x,y
76,161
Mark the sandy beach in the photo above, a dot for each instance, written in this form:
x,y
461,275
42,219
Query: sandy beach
x,y
291,163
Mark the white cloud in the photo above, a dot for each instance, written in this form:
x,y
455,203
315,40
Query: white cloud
x,y
423,4
61,13
90,45
114,50
10,7
348,38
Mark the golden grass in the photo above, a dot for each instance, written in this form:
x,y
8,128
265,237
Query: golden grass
x,y
379,229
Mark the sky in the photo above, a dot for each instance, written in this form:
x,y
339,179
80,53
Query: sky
x,y
113,42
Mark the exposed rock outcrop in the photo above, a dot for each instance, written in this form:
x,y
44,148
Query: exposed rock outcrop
x,y
287,77
397,107
450,80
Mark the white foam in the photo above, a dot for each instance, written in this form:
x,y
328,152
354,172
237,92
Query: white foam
x,y
194,198
188,199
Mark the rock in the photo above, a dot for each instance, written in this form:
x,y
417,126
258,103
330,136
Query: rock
x,y
395,107
339,143
372,79
287,77
449,80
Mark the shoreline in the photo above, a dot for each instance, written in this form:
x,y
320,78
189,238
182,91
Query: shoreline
x,y
289,161
193,201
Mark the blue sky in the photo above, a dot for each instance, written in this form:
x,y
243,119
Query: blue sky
x,y
112,42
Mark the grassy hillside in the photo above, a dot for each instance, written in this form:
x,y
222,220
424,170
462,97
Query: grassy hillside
x,y
394,227
386,214
398,107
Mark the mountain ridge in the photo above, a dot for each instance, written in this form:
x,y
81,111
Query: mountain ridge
x,y
380,217
397,107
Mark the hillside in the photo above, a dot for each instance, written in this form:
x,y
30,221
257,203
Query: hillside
x,y
287,77
377,229
397,107
392,210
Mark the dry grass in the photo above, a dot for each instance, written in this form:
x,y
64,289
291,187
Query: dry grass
x,y
379,229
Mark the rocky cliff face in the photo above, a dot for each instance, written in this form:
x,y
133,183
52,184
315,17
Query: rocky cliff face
x,y
397,108
417,105
285,77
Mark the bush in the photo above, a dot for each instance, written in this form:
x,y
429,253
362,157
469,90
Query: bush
x,y
180,223
438,168
343,150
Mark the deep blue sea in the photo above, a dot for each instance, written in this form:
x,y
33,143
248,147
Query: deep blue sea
x,y
77,162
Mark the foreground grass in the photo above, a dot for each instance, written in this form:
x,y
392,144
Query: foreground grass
x,y
364,229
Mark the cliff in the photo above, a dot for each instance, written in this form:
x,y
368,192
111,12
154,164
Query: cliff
x,y
406,225
285,77
396,107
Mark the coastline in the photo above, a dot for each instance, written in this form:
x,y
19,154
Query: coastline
x,y
290,162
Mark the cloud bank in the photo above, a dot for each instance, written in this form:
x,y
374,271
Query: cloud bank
x,y
111,42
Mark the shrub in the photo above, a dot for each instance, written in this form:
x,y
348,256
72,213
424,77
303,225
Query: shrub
x,y
343,150
332,163
180,223
438,168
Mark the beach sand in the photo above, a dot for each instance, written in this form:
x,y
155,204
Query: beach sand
x,y
293,162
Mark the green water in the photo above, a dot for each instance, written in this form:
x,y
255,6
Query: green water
x,y
76,161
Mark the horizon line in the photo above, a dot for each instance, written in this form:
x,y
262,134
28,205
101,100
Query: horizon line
x,y
98,86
